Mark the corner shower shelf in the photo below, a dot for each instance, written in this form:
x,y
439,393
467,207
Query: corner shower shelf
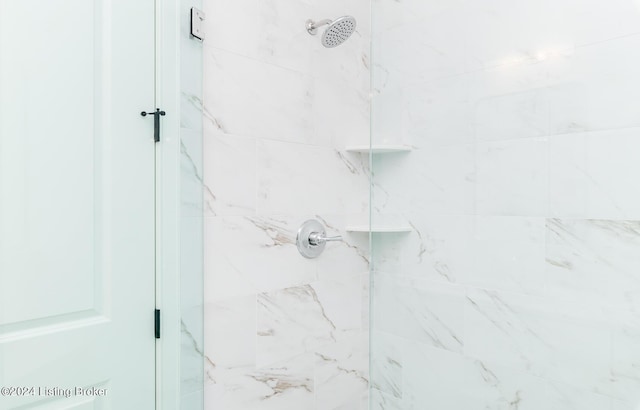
x,y
379,149
379,229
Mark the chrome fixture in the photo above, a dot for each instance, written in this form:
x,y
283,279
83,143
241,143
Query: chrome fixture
x,y
337,32
312,238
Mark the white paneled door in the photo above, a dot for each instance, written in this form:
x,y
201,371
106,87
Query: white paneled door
x,y
77,204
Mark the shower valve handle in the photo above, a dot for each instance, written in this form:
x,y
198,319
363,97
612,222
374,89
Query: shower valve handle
x,y
312,239
317,238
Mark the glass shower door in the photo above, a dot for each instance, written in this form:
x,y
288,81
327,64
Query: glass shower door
x,y
506,220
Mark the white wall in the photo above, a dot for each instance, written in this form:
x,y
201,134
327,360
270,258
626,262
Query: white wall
x,y
283,332
519,287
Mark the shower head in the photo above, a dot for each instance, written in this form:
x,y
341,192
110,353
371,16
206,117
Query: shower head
x,y
337,32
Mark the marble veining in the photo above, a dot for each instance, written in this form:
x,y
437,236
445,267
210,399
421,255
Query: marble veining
x,y
518,287
594,258
195,172
277,233
191,210
284,332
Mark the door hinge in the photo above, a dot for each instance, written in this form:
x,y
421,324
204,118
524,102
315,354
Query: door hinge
x,y
157,323
156,122
197,26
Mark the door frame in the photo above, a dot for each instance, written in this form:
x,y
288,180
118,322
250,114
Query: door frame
x,y
168,204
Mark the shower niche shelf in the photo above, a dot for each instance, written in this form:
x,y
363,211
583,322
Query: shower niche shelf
x,y
379,148
379,229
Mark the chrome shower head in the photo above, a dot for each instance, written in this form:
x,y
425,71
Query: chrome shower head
x,y
337,32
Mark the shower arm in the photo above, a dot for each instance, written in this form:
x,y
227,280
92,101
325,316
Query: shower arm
x,y
312,26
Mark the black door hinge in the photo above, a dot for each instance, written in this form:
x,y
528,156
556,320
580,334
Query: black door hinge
x,y
157,323
156,122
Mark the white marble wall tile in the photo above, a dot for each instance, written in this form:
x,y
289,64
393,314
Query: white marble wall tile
x,y
452,381
304,318
625,368
240,98
366,302
439,113
512,177
595,87
283,39
341,373
191,173
520,76
272,31
557,340
343,260
347,65
382,401
386,14
192,109
248,255
232,26
388,117
230,337
191,265
192,349
507,254
291,321
298,316
279,109
565,24
443,39
451,192
469,35
323,179
428,312
595,259
287,385
434,113
561,396
441,379
230,353
621,405
388,250
230,174
584,181
192,400
435,378
438,248
341,112
435,46
362,403
190,84
500,32
515,115
341,299
386,363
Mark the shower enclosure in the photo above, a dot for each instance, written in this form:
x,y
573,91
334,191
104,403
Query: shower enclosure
x,y
505,205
